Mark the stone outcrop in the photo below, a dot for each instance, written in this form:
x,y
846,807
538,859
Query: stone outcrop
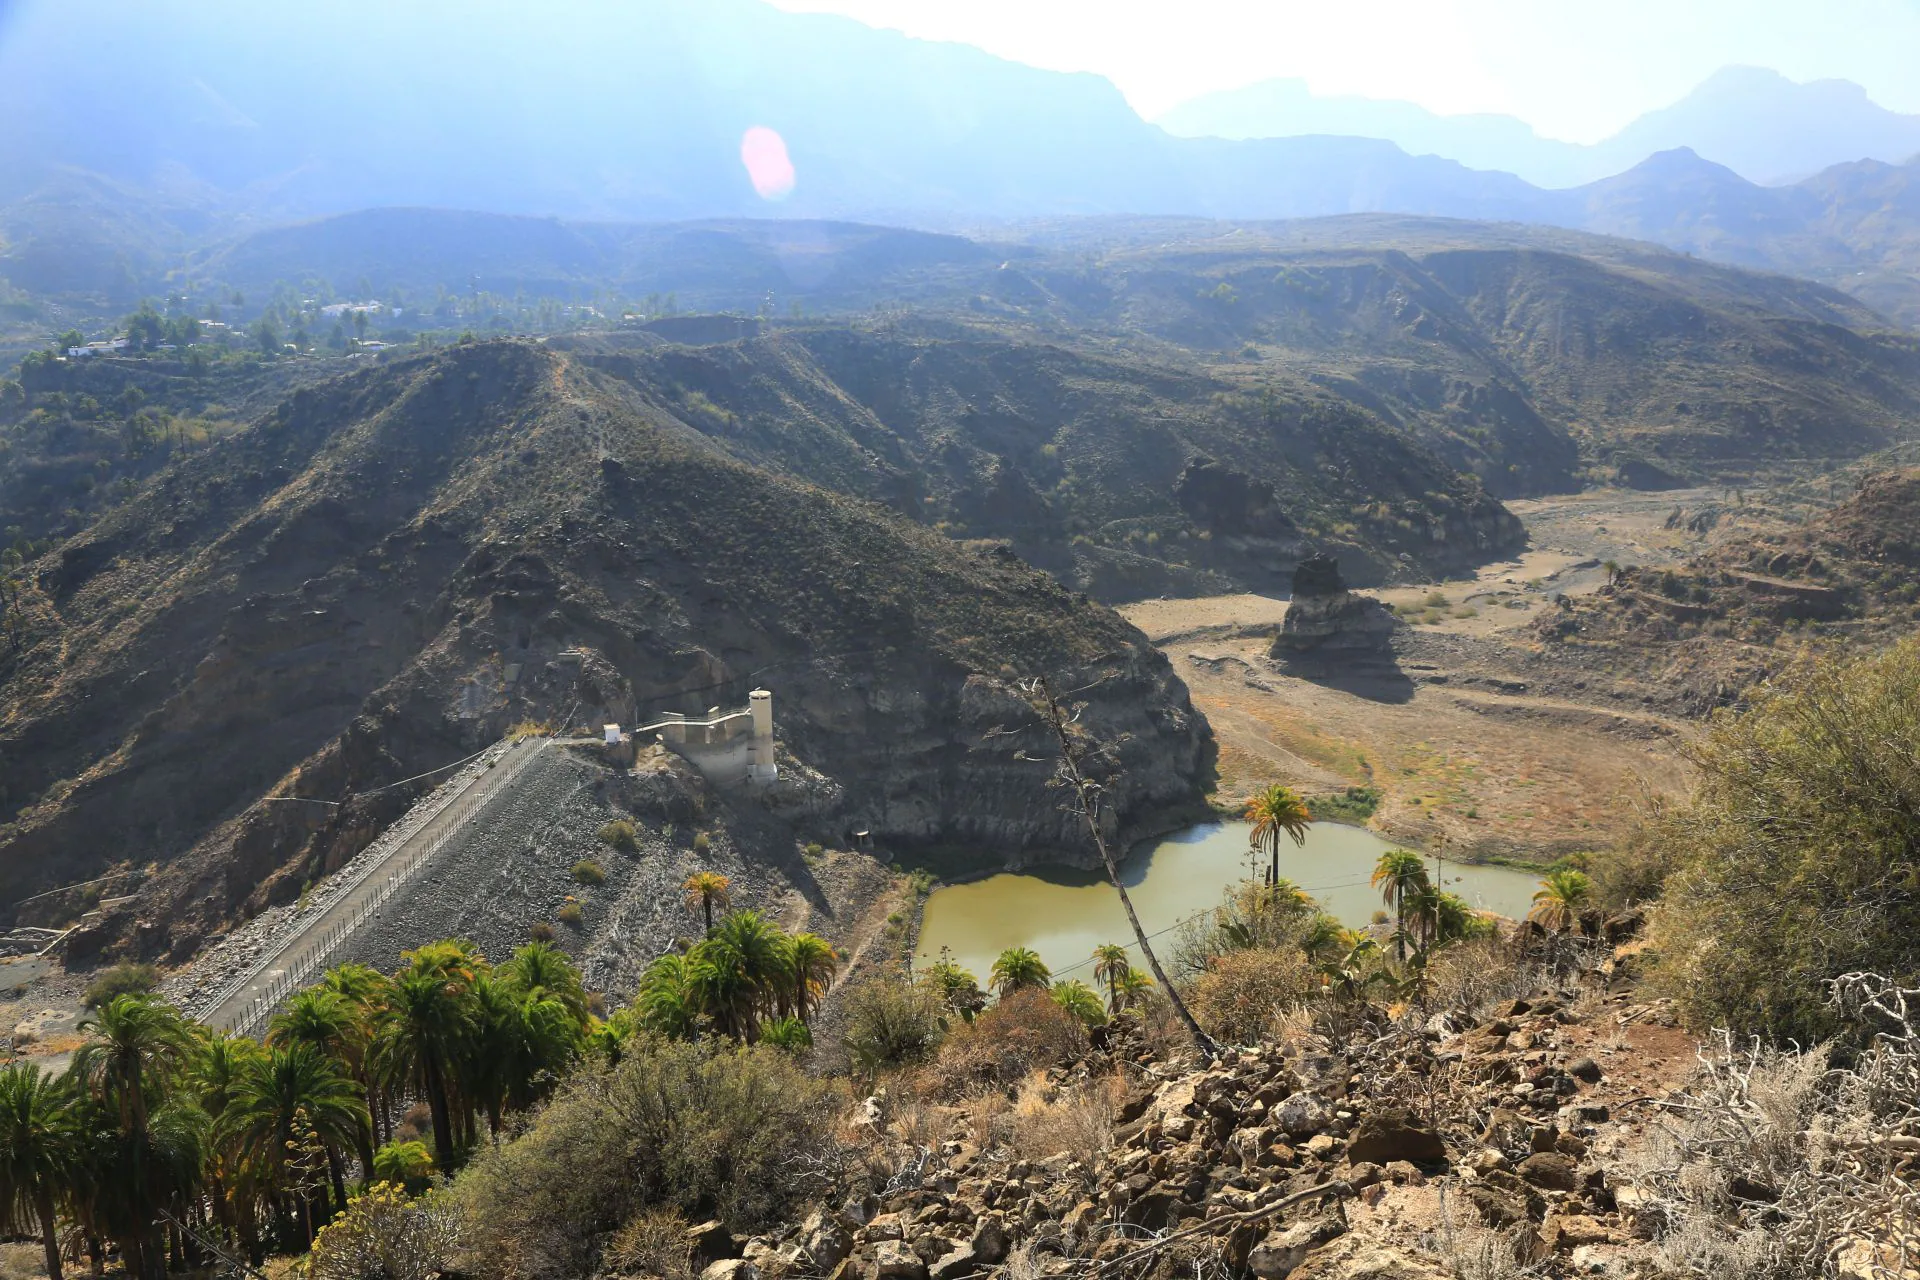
x,y
1325,618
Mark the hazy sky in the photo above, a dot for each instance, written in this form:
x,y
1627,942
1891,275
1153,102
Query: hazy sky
x,y
1574,69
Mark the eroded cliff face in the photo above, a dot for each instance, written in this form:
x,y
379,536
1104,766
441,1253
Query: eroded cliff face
x,y
388,575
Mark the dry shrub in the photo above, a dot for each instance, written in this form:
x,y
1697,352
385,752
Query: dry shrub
x,y
1160,1027
1821,1145
1243,994
1077,1123
1024,1031
1479,1254
989,1118
652,1243
1471,977
891,1024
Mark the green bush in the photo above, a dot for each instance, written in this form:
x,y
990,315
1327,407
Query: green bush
x,y
1251,916
1354,805
405,1164
383,1235
1796,852
619,834
587,871
569,914
892,1024
703,1128
127,978
702,842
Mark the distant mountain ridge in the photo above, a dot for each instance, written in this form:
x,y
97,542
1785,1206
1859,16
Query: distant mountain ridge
x,y
1756,122
121,168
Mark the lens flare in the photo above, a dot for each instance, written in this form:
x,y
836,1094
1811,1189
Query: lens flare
x,y
769,168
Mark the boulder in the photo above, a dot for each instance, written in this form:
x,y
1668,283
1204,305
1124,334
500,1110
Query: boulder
x,y
1393,1134
1277,1256
1548,1169
730,1269
1303,1114
894,1261
956,1264
710,1240
989,1241
825,1241
1565,1232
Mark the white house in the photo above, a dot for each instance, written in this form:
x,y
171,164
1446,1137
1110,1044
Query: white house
x,y
99,348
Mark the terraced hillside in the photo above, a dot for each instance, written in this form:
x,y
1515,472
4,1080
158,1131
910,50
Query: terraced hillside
x,y
389,569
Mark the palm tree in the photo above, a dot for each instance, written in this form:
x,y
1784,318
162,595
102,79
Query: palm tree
x,y
788,1033
135,1046
737,972
363,989
1562,896
1277,811
1109,964
457,960
543,1038
1455,919
404,1164
1399,875
39,1149
293,1088
706,890
1080,1000
541,966
1129,988
1017,968
213,1077
811,963
322,1019
422,1031
665,1003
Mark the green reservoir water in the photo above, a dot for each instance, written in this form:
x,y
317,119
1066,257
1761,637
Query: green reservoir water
x,y
1065,914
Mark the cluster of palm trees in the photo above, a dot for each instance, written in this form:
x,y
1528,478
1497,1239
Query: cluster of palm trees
x,y
747,978
168,1140
1425,915
1022,969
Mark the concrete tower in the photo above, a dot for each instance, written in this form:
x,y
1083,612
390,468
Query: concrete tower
x,y
760,763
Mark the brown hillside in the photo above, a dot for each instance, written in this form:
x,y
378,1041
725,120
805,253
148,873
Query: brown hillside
x,y
334,598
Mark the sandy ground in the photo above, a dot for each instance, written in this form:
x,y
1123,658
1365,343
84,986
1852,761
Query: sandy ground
x,y
1478,740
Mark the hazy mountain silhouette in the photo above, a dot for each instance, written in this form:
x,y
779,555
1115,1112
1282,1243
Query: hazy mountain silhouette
x,y
131,143
1756,122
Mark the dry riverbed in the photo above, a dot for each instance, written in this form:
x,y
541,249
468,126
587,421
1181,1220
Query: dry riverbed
x,y
1478,739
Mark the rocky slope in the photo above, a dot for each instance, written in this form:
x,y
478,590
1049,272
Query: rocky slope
x,y
1402,1152
386,571
1127,475
1726,618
